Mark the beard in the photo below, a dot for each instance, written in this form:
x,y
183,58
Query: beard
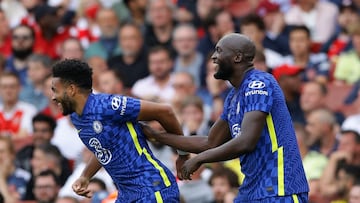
x,y
224,71
23,53
67,105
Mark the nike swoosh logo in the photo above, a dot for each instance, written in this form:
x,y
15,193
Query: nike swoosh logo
x,y
78,131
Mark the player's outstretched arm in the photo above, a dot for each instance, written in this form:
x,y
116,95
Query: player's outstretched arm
x,y
219,134
251,129
81,184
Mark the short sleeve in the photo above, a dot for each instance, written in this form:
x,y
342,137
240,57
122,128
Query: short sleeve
x,y
122,108
258,95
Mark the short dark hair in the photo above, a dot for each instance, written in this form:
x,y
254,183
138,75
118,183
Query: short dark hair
x,y
32,31
73,71
355,133
40,117
228,174
51,173
99,182
300,28
253,19
156,49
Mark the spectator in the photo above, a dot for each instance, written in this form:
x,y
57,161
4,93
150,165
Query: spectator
x,y
340,41
289,79
347,69
137,11
50,34
253,26
13,180
67,190
111,82
72,49
188,59
161,24
5,37
276,31
47,157
46,186
98,65
98,191
314,163
313,96
15,115
43,127
184,86
204,192
22,43
158,85
39,68
322,128
132,62
316,66
222,181
192,116
318,16
107,45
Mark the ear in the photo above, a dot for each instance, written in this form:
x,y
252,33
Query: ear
x,y
238,57
71,90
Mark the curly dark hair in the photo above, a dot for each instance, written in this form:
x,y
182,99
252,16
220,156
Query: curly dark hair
x,y
73,71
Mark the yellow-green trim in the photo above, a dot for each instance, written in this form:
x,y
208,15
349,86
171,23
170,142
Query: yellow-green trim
x,y
147,155
158,197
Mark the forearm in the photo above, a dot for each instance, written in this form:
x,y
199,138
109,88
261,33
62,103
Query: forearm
x,y
230,150
91,168
193,144
328,183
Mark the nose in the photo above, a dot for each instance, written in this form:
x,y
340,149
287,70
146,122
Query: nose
x,y
213,56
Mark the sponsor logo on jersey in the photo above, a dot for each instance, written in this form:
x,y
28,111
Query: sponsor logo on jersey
x,y
260,92
115,103
123,106
103,155
256,84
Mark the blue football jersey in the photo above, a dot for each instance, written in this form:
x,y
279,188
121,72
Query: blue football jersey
x,y
108,127
274,168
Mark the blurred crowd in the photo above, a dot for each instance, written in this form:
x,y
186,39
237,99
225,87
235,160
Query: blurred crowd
x,y
160,50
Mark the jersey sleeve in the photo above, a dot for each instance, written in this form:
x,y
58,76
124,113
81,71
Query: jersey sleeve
x,y
258,95
122,108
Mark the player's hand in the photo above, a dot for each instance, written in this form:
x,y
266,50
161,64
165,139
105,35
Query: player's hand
x,y
80,187
189,167
150,133
179,165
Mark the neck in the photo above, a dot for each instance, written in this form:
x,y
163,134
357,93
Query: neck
x,y
237,79
8,106
80,102
301,59
188,59
162,82
163,33
129,59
